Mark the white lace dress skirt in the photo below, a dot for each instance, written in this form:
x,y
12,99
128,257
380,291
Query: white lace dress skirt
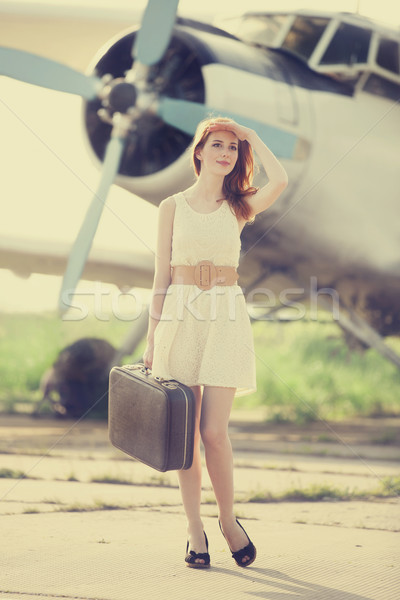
x,y
204,337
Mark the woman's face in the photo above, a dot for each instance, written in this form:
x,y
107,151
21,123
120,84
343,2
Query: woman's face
x,y
220,152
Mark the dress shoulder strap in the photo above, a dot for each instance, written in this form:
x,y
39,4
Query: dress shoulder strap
x,y
179,199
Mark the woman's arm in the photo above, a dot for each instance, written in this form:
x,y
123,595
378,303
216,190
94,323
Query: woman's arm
x,y
162,274
276,174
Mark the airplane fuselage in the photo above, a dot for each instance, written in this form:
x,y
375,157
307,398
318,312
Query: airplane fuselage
x,y
334,223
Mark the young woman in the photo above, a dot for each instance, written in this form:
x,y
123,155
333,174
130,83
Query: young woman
x,y
199,329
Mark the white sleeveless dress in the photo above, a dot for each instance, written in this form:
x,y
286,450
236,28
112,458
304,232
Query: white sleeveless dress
x,y
204,337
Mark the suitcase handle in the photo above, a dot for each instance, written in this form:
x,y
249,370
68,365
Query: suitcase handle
x,y
136,366
171,383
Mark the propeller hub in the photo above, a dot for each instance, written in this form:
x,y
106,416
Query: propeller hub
x,y
121,96
151,144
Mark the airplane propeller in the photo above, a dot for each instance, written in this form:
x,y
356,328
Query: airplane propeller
x,y
159,20
149,47
47,73
124,101
185,115
83,242
120,97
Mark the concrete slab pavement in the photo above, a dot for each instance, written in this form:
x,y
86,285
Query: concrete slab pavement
x,y
139,554
60,538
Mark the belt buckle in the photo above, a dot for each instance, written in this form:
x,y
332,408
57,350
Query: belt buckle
x,y
205,274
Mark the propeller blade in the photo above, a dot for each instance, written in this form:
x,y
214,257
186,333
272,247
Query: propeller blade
x,y
185,115
47,73
155,32
83,242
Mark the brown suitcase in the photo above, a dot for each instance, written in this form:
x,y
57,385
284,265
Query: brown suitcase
x,y
150,419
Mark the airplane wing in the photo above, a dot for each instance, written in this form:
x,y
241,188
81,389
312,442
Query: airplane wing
x,y
124,269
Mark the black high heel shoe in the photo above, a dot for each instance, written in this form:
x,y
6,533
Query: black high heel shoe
x,y
192,556
248,550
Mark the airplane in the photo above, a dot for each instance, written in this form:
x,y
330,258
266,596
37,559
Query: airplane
x,y
321,88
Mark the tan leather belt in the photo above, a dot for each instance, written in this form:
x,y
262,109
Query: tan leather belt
x,y
205,275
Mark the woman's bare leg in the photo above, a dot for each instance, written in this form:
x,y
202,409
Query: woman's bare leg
x,y
216,408
190,486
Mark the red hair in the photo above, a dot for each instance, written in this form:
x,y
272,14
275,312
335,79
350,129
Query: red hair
x,y
237,184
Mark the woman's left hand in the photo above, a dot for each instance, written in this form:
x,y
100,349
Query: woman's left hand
x,y
241,132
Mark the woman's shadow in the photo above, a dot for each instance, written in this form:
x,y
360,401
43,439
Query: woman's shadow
x,y
280,586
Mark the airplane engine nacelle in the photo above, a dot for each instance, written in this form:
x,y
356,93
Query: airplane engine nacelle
x,y
202,64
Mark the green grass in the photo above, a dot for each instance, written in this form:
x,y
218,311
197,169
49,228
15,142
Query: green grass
x,y
154,481
30,343
389,487
386,438
11,474
111,480
305,371
97,505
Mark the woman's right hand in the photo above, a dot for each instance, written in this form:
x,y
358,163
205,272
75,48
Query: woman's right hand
x,y
242,132
148,355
